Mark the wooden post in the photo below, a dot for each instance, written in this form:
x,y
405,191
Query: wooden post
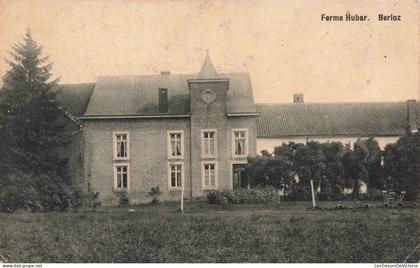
x,y
313,194
182,196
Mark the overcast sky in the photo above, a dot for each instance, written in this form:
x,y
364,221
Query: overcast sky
x,y
284,45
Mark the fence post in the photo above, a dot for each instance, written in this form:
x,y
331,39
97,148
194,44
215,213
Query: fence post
x,y
182,196
313,194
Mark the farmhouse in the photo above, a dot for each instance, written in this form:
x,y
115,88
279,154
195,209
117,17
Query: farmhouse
x,y
195,131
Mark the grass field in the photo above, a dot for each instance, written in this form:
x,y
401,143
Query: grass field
x,y
289,232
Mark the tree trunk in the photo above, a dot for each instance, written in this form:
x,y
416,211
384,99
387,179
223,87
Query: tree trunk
x,y
356,188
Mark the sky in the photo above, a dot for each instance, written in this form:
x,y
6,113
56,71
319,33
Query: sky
x,y
284,45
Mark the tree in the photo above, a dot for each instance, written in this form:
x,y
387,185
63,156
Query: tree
x,y
30,131
401,163
354,169
309,163
270,171
371,155
333,177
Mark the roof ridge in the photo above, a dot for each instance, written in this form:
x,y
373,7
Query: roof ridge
x,y
169,75
335,103
77,84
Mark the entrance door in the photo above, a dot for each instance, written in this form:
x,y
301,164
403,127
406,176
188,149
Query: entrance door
x,y
239,176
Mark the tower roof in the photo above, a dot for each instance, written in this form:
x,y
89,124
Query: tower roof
x,y
207,70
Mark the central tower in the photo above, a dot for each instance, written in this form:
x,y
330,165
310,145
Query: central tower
x,y
208,93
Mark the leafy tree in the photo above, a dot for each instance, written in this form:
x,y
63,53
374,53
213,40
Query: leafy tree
x,y
287,150
333,177
270,171
371,155
354,169
265,153
309,163
401,162
30,131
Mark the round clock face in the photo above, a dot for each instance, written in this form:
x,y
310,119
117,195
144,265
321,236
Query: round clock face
x,y
208,96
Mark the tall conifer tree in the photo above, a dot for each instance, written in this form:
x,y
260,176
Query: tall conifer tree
x,y
30,130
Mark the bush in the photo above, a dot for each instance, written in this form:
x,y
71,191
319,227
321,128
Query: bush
x,y
75,197
216,198
13,198
90,199
260,195
154,194
124,201
34,193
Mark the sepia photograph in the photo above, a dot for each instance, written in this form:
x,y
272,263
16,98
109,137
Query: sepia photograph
x,y
209,131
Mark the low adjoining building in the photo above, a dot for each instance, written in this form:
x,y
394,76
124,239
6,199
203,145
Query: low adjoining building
x,y
300,122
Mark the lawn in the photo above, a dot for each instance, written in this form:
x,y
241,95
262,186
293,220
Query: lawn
x,y
289,232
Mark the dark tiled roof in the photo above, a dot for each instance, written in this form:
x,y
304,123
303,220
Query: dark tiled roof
x,y
319,119
418,115
138,95
75,97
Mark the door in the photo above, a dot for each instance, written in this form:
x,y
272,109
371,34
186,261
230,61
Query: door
x,y
239,176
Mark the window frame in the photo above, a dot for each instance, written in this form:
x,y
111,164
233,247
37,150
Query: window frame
x,y
176,188
203,155
116,189
216,172
245,155
168,144
114,142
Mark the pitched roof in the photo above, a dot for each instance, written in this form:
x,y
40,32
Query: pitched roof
x,y
319,119
74,97
138,95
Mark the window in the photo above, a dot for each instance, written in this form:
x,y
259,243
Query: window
x,y
175,144
208,143
240,142
209,175
121,177
121,145
175,176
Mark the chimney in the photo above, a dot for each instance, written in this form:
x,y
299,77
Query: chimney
x,y
298,98
411,116
163,100
165,72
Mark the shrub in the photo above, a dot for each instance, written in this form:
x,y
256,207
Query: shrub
x,y
90,199
124,200
14,197
231,197
75,197
216,198
154,194
33,193
260,195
